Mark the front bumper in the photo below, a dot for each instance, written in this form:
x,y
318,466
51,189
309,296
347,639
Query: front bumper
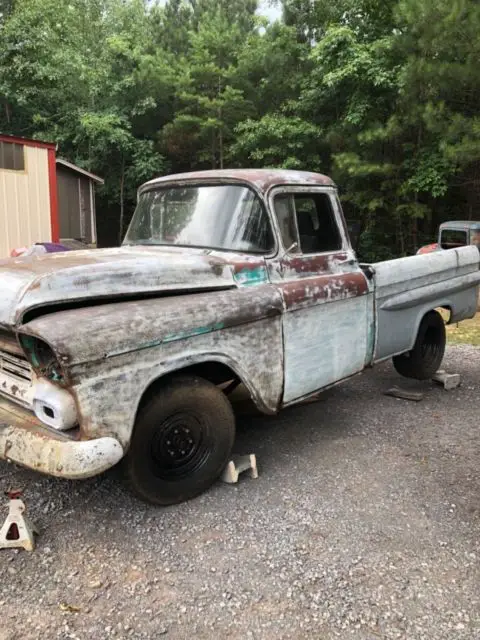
x,y
25,441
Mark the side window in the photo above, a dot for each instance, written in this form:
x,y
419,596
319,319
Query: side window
x,y
315,221
11,156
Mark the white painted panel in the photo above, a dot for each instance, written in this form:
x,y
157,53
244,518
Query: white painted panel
x,y
403,274
408,288
324,344
25,203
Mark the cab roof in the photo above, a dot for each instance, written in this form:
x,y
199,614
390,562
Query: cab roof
x,y
261,179
461,224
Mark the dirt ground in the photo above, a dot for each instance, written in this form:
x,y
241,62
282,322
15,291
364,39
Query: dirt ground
x,y
364,524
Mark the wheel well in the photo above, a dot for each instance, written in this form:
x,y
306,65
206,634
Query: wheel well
x,y
215,372
445,312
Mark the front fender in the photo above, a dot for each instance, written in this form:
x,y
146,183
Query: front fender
x,y
108,393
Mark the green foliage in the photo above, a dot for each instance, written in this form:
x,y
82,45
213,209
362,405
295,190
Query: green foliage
x,y
381,94
210,99
278,140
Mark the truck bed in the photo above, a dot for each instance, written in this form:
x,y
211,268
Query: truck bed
x,y
407,288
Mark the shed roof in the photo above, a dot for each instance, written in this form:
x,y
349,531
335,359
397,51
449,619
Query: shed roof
x,y
28,142
84,172
262,179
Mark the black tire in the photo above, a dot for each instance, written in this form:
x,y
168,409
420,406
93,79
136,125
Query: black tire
x,y
181,442
424,360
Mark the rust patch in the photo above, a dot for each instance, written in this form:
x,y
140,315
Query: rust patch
x,y
112,329
8,342
250,265
324,288
312,265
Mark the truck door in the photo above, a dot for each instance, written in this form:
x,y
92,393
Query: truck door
x,y
328,324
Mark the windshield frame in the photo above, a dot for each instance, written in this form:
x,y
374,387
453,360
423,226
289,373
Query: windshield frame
x,y
231,182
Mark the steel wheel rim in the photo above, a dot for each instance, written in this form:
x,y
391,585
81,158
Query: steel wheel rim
x,y
180,446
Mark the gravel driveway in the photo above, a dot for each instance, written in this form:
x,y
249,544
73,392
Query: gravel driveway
x,y
364,523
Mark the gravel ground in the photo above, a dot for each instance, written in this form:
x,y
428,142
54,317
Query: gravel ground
x,y
364,524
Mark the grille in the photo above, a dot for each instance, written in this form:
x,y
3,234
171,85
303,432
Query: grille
x,y
15,366
16,374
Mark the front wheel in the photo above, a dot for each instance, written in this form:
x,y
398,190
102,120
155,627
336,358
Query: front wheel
x,y
181,442
424,360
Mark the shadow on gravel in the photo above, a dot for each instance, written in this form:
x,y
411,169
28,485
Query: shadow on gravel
x,y
293,430
256,430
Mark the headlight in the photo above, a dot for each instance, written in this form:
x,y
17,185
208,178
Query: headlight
x,y
42,358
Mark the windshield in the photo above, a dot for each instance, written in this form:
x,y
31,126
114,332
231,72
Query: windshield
x,y
227,217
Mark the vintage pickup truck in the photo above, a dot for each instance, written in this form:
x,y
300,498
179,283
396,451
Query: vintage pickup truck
x,y
454,234
224,277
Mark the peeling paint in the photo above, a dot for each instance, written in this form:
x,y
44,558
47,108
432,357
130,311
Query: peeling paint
x,y
112,329
172,337
33,446
262,179
39,281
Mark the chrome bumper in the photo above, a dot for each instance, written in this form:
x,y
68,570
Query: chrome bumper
x,y
25,441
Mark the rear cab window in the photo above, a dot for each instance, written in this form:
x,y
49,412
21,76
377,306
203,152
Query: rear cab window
x,y
453,238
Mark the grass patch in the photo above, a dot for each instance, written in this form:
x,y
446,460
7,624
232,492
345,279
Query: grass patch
x,y
466,332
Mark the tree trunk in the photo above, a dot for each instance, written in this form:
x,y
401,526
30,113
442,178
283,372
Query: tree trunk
x,y
214,159
220,144
415,234
220,129
122,201
400,237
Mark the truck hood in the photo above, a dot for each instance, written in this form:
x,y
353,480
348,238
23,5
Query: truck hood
x,y
62,278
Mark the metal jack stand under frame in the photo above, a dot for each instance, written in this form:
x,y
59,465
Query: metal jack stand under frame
x,y
17,531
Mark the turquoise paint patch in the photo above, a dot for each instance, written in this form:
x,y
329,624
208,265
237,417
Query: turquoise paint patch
x,y
151,344
171,337
189,333
250,277
55,376
28,344
50,371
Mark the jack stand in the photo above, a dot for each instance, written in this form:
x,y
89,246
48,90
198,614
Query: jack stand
x,y
17,531
449,381
238,465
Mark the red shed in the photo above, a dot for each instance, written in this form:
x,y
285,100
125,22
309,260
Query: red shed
x,y
43,198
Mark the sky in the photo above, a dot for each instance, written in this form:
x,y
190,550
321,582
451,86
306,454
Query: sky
x,y
270,9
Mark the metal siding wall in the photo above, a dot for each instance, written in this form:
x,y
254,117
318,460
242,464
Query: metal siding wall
x,y
25,203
